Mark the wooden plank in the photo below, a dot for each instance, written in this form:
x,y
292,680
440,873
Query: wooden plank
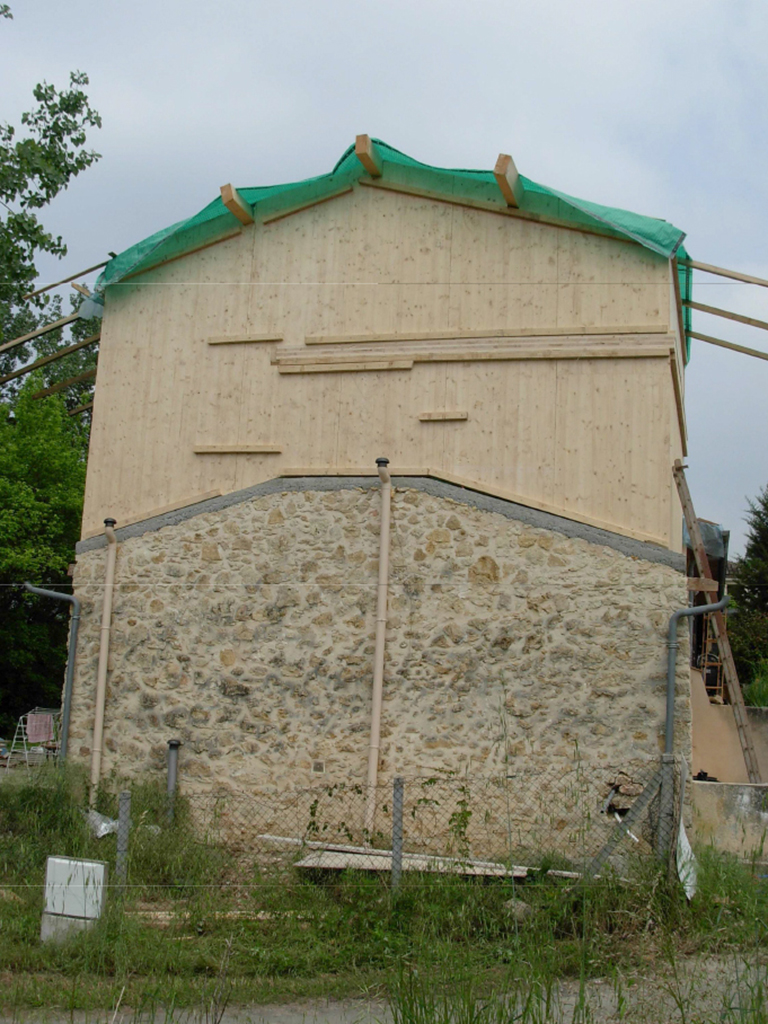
x,y
244,339
489,207
80,408
442,417
40,331
236,205
508,180
66,280
721,633
327,363
300,207
65,384
237,449
726,314
82,289
679,400
49,359
708,268
702,584
490,333
728,344
353,367
368,155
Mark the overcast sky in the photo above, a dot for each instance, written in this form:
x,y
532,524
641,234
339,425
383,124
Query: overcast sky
x,y
654,105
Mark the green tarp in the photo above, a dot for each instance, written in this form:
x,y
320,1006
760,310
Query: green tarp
x,y
215,220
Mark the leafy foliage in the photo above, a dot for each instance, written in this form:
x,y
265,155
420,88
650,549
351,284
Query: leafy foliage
x,y
42,449
42,477
33,170
748,630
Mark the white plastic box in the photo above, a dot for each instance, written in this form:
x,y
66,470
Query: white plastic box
x,y
75,892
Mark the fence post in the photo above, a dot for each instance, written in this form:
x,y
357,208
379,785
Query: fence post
x,y
666,824
397,831
123,832
173,769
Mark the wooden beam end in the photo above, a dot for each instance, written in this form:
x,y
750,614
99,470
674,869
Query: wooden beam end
x,y
236,205
368,155
508,180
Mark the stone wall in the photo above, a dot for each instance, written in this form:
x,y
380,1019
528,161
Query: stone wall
x,y
247,632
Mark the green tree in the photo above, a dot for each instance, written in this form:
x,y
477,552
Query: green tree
x,y
42,477
42,449
34,168
748,629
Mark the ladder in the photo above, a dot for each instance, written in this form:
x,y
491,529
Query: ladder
x,y
718,621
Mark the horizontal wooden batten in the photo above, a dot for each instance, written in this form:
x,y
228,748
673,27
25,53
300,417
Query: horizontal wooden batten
x,y
300,207
442,417
237,449
523,332
245,339
700,583
332,363
151,513
354,366
481,488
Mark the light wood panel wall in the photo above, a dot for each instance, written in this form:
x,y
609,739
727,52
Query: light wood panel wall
x,y
592,437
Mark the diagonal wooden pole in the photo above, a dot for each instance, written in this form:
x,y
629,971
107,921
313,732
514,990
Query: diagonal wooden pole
x,y
729,666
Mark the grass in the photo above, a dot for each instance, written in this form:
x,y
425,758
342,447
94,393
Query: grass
x,y
441,946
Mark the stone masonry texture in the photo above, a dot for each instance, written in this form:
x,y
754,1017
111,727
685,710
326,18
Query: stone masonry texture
x,y
248,634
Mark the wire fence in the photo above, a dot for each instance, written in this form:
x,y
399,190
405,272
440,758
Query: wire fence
x,y
567,819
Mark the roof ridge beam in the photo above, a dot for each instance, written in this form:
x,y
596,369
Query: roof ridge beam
x,y
236,205
369,155
508,180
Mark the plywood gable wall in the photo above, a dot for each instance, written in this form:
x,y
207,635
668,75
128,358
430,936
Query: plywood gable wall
x,y
567,402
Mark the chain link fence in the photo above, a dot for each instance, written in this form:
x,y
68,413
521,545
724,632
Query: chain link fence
x,y
568,818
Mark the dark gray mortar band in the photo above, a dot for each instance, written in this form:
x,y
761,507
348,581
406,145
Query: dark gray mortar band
x,y
437,488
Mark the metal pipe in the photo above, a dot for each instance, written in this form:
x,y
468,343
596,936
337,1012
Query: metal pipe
x,y
74,625
173,771
672,648
381,633
101,673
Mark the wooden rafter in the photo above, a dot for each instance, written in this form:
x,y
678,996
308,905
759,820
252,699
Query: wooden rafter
x,y
727,314
49,359
728,344
81,408
65,384
734,275
40,331
66,280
